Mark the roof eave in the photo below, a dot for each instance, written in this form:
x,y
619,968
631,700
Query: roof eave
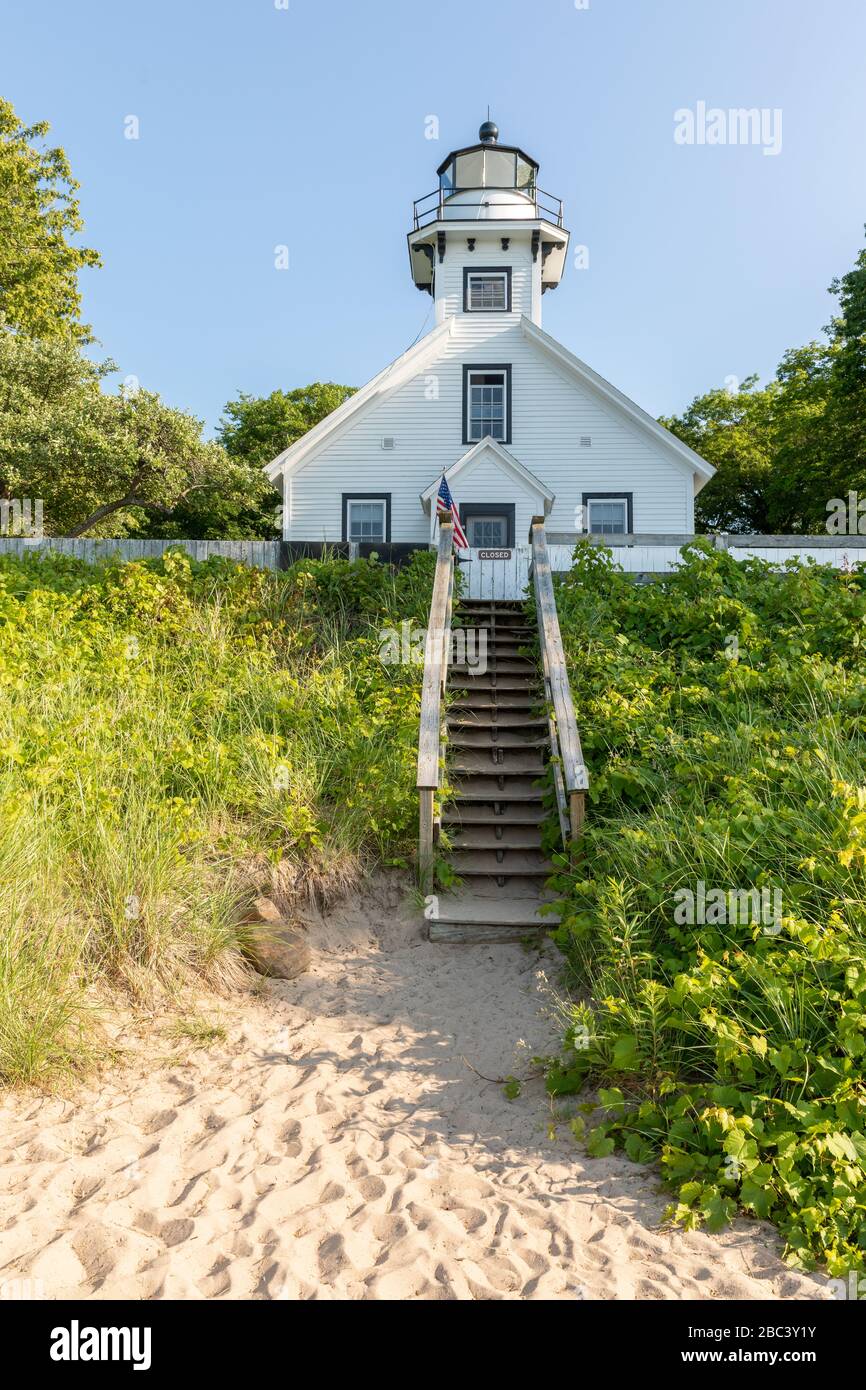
x,y
619,400
509,460
293,455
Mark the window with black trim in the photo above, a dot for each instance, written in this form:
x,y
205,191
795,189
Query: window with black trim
x,y
367,517
608,513
487,289
487,402
488,525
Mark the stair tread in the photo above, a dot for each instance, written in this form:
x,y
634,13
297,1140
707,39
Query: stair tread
x,y
482,739
484,837
487,788
524,862
513,652
507,684
458,814
480,700
508,719
473,908
515,762
510,666
504,620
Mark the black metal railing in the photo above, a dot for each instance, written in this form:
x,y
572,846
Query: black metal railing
x,y
432,207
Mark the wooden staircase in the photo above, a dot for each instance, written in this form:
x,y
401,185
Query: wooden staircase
x,y
497,743
500,731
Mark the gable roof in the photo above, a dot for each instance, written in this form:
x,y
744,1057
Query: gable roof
x,y
617,399
410,362
506,460
396,372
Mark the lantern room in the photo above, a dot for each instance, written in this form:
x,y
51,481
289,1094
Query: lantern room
x,y
484,178
480,184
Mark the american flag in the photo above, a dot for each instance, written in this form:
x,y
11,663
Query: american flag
x,y
446,508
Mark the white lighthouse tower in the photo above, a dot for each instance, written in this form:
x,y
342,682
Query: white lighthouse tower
x,y
487,225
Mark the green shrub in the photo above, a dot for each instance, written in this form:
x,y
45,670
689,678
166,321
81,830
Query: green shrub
x,y
722,716
167,730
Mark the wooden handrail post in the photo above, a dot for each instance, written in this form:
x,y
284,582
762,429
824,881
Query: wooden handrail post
x,y
570,775
432,691
576,813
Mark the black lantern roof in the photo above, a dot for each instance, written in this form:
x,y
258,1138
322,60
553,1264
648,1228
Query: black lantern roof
x,y
488,137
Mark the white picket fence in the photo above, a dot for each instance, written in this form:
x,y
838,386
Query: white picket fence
x,y
634,559
645,554
486,578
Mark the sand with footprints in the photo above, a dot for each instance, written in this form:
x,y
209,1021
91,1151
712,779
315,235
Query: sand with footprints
x,y
349,1139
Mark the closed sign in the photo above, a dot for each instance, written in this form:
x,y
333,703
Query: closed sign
x,y
494,554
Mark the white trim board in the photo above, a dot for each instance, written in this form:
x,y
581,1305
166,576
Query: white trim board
x,y
517,471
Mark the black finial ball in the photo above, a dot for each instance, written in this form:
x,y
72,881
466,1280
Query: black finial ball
x,y
489,133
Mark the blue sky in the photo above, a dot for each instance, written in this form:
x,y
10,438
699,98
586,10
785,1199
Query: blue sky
x,y
304,126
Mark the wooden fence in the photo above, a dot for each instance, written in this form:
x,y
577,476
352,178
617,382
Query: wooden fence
x,y
262,554
507,578
657,554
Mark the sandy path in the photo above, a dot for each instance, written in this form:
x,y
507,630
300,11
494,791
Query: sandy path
x,y
337,1146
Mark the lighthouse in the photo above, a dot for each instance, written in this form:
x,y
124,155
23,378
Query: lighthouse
x,y
487,225
518,425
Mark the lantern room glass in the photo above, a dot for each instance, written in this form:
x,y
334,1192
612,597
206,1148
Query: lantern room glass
x,y
488,168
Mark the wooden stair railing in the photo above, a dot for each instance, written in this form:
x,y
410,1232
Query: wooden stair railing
x,y
569,770
436,654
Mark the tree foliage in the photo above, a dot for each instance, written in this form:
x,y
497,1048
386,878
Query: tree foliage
x,y
100,462
783,451
258,428
129,464
39,213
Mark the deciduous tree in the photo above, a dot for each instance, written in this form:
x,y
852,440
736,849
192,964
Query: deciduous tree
x,y
39,214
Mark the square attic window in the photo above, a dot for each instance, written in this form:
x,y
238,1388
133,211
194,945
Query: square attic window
x,y
487,290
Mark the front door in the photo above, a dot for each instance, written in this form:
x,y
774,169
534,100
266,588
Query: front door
x,y
494,566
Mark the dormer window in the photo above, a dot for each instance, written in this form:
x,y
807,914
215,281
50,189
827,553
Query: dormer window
x,y
487,403
487,290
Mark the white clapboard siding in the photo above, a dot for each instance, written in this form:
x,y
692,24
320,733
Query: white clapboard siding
x,y
488,253
550,414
